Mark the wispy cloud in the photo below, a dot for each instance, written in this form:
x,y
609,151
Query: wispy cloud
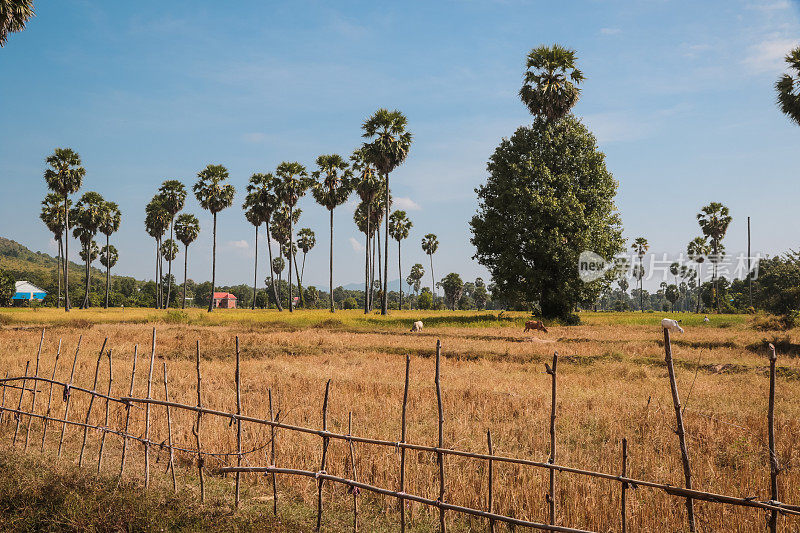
x,y
767,55
610,31
406,203
357,246
239,245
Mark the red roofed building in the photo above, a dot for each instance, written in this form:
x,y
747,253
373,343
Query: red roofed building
x,y
224,300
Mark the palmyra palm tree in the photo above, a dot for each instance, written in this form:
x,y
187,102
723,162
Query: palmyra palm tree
x,y
214,195
54,217
714,220
640,246
108,258
367,185
416,274
388,148
169,251
262,202
278,264
64,177
88,215
306,240
399,227
187,228
429,245
14,14
156,223
279,227
787,87
549,90
697,250
173,195
111,219
331,189
294,182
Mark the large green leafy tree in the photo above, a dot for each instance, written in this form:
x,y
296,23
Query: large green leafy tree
x,y
453,287
187,228
294,182
173,195
65,177
332,187
156,223
399,228
714,220
548,197
387,149
214,194
111,219
54,217
14,14
7,288
88,215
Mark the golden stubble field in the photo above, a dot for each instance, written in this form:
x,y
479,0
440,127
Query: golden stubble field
x,y
612,384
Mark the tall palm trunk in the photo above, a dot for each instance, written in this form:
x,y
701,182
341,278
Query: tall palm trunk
x,y
185,264
380,275
330,270
108,268
87,276
641,276
169,272
255,272
160,266
60,267
66,255
385,298
400,273
158,251
289,275
213,265
433,280
366,263
299,283
372,274
272,272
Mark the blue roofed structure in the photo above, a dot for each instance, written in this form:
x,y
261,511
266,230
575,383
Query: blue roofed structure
x,y
28,291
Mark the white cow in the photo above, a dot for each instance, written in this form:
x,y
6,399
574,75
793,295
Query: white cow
x,y
705,319
416,327
670,324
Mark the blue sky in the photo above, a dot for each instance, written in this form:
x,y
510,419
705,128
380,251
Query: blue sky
x,y
678,93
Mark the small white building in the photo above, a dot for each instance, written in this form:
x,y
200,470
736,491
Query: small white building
x,y
27,291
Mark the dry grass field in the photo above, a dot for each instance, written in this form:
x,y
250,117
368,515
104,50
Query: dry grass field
x,y
612,384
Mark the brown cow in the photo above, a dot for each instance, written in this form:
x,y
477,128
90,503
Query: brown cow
x,y
535,324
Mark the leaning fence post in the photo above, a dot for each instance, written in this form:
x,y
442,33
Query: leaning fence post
x,y
67,397
354,490
196,430
35,386
272,456
491,480
169,433
50,394
3,401
147,414
624,484
103,436
551,496
681,434
774,469
18,414
91,402
403,450
237,378
440,455
128,414
324,453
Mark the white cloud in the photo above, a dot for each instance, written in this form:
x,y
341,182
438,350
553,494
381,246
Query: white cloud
x,y
255,137
239,245
356,245
406,203
767,55
610,31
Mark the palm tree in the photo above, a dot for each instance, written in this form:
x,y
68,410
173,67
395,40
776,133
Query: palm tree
x,y
169,251
187,228
254,215
387,150
89,252
549,90
640,246
332,188
64,177
214,195
416,275
294,182
429,245
88,215
366,183
399,227
786,86
13,16
108,258
110,224
714,220
280,227
261,202
697,250
54,217
278,264
156,223
173,194
306,240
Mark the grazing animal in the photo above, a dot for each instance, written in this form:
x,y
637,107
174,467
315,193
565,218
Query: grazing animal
x,y
705,319
674,325
535,324
416,327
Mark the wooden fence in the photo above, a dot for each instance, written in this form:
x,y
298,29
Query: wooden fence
x,y
28,386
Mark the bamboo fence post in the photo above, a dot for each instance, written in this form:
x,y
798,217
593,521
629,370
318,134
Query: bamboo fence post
x,y
324,453
238,380
18,414
624,484
50,394
272,456
439,455
147,413
403,450
103,436
196,429
551,496
169,433
491,480
128,414
3,401
687,472
774,469
91,402
354,490
67,397
35,386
